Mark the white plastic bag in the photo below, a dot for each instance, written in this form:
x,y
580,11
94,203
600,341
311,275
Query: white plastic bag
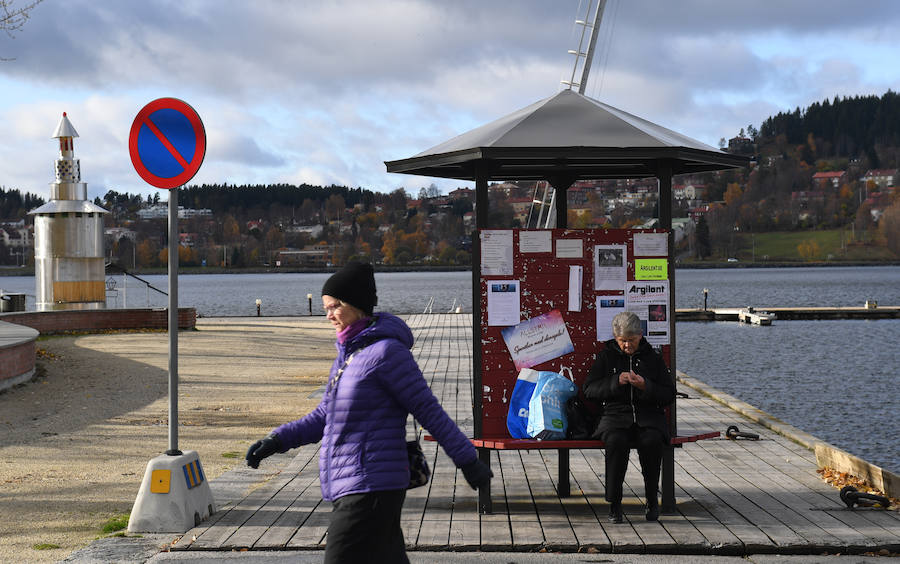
x,y
547,408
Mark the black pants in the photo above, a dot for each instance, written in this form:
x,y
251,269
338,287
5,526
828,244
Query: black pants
x,y
650,443
365,528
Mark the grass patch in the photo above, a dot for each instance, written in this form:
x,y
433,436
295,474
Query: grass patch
x,y
231,454
45,546
115,524
830,244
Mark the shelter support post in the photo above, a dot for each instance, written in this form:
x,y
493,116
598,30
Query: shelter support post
x,y
664,174
563,486
561,184
481,215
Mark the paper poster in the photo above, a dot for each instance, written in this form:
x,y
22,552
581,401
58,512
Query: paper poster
x,y
610,267
651,245
503,307
576,274
497,252
569,248
535,242
607,308
649,300
651,269
538,340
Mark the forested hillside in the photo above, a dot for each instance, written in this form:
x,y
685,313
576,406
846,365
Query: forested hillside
x,y
854,142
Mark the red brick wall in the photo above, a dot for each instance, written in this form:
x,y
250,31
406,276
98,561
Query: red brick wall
x,y
50,322
16,360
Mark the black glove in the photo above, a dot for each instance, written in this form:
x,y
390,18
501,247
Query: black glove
x,y
261,449
477,473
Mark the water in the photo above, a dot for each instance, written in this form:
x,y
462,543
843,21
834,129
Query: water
x,y
280,294
834,379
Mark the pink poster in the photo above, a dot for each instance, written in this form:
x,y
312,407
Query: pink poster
x,y
538,340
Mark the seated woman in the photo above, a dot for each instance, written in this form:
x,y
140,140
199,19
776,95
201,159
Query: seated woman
x,y
634,385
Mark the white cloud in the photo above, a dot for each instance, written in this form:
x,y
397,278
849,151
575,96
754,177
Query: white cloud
x,y
324,92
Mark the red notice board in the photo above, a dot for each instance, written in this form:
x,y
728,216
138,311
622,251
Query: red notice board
x,y
543,277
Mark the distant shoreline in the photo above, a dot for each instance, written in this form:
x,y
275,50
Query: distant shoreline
x,y
29,271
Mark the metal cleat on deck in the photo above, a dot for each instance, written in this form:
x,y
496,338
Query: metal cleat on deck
x,y
732,432
851,496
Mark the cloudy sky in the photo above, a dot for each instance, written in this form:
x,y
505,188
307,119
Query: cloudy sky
x,y
325,91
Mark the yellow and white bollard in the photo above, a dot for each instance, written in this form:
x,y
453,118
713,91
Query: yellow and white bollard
x,y
174,496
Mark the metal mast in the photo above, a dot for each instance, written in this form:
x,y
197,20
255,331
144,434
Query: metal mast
x,y
583,59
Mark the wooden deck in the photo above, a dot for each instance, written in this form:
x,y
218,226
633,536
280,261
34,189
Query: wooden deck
x,y
733,497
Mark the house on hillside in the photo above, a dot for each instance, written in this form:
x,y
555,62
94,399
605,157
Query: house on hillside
x,y
695,192
831,179
462,193
880,177
521,207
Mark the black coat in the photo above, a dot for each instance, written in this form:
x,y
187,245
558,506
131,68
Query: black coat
x,y
625,405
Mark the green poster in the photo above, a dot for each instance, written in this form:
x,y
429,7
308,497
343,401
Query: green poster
x,y
651,269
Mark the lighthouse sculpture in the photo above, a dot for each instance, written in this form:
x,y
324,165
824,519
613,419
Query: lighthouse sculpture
x,y
69,263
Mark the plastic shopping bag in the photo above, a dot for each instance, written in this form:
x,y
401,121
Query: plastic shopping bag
x,y
517,417
547,408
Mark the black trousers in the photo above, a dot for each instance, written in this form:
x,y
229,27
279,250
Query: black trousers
x,y
650,443
365,528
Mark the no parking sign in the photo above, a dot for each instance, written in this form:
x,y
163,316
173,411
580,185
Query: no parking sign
x,y
167,143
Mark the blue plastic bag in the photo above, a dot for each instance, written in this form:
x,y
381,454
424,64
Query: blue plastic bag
x,y
517,417
547,408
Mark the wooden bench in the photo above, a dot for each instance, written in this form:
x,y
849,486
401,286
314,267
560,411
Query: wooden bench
x,y
563,447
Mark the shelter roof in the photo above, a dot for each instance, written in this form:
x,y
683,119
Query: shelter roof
x,y
570,135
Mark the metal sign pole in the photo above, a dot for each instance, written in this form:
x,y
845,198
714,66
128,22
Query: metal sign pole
x,y
173,323
167,129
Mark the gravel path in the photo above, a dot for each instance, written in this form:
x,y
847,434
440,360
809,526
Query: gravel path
x,y
74,441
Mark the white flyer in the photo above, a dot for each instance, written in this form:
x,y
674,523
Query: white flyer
x,y
503,302
535,241
649,300
607,308
576,275
497,252
651,245
610,267
570,248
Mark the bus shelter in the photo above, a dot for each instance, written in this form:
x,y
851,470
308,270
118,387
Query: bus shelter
x,y
562,139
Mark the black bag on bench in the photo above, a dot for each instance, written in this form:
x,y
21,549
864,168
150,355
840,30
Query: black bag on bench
x,y
582,419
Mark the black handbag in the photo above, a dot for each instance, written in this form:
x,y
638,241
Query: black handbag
x,y
419,472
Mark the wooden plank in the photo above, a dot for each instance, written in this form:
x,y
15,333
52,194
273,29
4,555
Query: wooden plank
x,y
215,536
290,523
732,497
721,501
313,532
434,533
794,463
692,505
496,532
558,533
525,528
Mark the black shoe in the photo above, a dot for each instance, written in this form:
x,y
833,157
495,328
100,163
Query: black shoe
x,y
615,513
652,510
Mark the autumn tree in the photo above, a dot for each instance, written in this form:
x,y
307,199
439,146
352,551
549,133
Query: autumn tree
x,y
889,226
147,253
809,249
334,207
704,249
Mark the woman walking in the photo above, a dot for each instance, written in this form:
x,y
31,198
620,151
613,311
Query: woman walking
x,y
361,422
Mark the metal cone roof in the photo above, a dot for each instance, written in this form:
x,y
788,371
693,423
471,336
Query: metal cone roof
x,y
570,134
64,128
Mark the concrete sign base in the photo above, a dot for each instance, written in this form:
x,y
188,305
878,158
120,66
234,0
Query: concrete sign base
x,y
174,496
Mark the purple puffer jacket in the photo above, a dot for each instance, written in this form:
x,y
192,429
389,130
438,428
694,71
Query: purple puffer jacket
x,y
362,421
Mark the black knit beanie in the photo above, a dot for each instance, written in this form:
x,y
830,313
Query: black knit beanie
x,y
355,285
